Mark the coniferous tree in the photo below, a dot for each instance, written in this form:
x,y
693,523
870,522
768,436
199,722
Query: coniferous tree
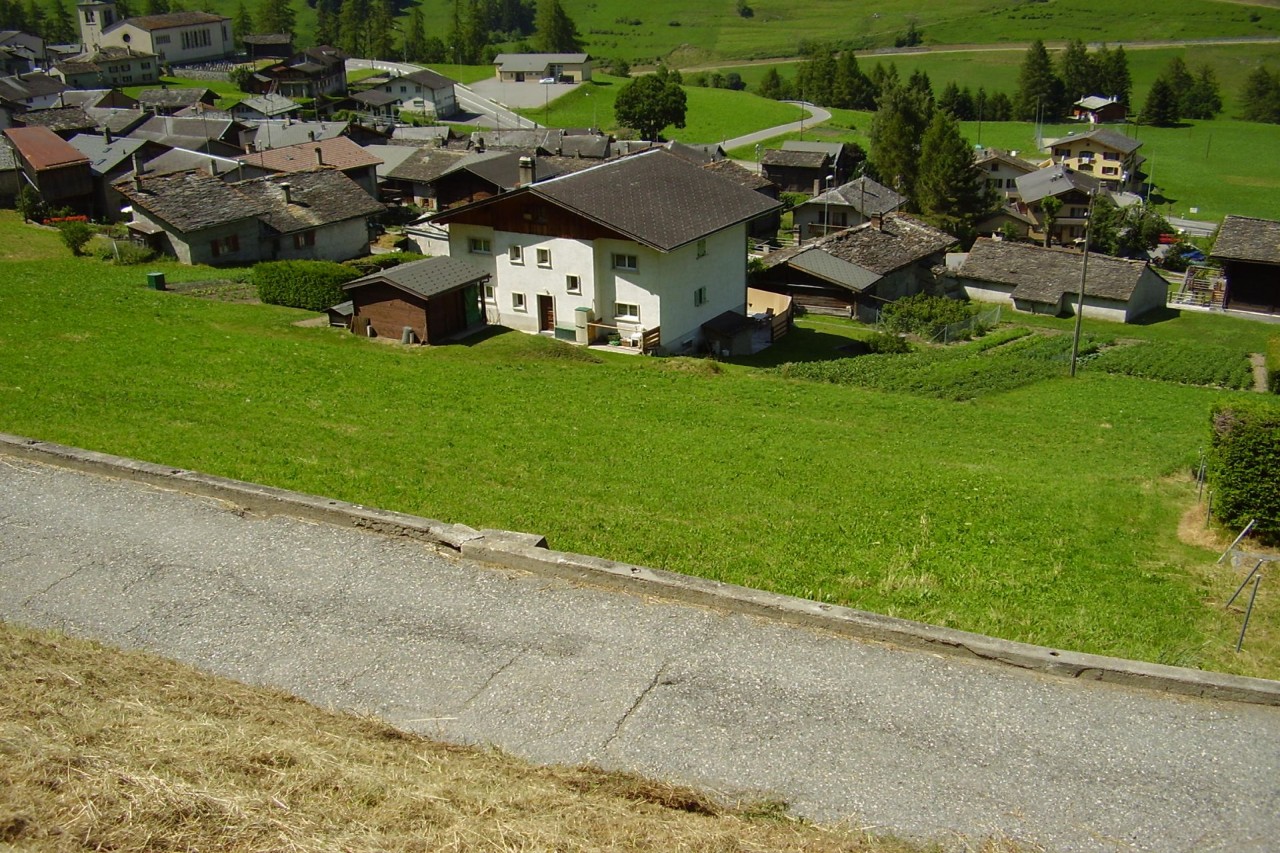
x,y
34,17
1161,108
947,100
883,78
1039,89
815,77
901,116
415,41
950,192
1204,99
1001,106
773,86
326,26
553,31
60,24
1078,72
852,90
352,25
1262,96
242,24
276,16
381,36
1113,74
157,7
1177,76
919,82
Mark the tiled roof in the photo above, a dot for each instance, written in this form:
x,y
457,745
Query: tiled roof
x,y
1102,136
864,195
162,128
1243,238
426,164
60,118
1054,181
43,148
375,98
536,61
800,159
279,134
338,152
268,38
740,174
166,21
1043,275
117,121
270,105
654,198
317,198
899,241
426,278
836,270
986,155
190,201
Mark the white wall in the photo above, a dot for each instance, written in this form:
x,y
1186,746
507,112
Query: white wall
x,y
220,41
722,271
985,291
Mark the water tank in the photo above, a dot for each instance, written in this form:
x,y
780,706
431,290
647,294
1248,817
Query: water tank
x,y
582,319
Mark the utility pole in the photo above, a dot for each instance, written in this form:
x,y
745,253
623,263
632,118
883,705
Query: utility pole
x,y
1084,270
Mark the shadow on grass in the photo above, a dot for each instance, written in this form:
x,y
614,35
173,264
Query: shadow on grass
x,y
800,344
1156,315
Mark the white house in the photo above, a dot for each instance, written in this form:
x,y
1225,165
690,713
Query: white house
x,y
647,248
423,91
175,37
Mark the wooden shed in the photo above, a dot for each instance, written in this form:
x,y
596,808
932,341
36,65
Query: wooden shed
x,y
436,299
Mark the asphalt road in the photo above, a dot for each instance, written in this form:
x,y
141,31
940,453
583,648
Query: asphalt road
x,y
899,741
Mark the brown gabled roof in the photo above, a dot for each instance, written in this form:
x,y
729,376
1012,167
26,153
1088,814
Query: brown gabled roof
x,y
428,78
44,149
899,241
338,152
316,198
1044,275
1102,136
986,155
1244,238
739,174
171,19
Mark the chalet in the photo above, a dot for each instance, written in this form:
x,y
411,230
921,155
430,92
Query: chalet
x,y
537,67
109,67
320,215
1001,169
426,302
845,206
856,271
1047,281
645,248
1110,157
175,37
808,167
423,91
314,73
1096,109
337,153
110,159
1249,250
53,167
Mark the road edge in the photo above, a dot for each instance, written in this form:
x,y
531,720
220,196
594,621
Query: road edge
x,y
529,552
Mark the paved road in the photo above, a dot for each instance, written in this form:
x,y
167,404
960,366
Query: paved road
x,y
816,114
482,111
900,741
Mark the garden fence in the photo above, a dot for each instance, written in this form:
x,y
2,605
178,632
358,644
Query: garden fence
x,y
964,329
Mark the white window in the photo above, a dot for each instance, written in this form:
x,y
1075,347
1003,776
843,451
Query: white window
x,y
544,257
624,262
573,284
517,301
702,248
515,254
700,296
626,311
490,295
479,246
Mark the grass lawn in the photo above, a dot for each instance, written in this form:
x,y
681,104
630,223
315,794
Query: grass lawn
x,y
1049,513
228,93
712,114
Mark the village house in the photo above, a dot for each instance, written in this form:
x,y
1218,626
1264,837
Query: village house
x,y
422,91
338,153
268,46
108,67
53,167
266,107
1110,157
1047,281
766,227
539,67
20,52
1071,188
110,159
166,101
854,272
1096,109
174,37
843,207
1001,169
211,135
808,167
1249,250
313,73
23,92
199,219
644,249
64,121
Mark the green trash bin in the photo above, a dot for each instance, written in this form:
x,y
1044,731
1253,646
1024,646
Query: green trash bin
x,y
155,280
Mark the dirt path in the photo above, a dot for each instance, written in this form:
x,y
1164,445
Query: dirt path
x,y
1259,372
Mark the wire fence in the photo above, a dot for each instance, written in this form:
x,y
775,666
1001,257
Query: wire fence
x,y
964,329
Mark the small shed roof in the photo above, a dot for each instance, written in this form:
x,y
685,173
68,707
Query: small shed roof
x,y
833,149
800,159
44,149
425,278
1244,238
828,267
864,195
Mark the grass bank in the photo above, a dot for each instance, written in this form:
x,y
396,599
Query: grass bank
x,y
1049,513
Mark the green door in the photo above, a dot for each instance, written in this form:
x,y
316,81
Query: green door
x,y
471,301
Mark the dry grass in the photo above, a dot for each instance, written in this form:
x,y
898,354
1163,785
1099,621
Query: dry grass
x,y
107,750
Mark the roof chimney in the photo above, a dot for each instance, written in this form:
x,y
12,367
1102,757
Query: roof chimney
x,y
877,221
137,172
528,171
213,166
106,135
287,188
319,156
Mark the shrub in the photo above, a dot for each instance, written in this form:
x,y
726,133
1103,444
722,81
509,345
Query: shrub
x,y
376,263
790,200
924,315
127,253
1273,365
75,235
888,344
311,285
1244,465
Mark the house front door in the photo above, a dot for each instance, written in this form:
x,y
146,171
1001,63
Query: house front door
x,y
546,313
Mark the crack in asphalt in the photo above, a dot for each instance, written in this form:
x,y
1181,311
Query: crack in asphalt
x,y
493,677
622,721
55,583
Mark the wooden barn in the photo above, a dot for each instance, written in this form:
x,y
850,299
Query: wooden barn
x,y
435,299
1249,250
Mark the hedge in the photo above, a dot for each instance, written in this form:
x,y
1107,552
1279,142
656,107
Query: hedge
x,y
312,285
1273,364
1244,465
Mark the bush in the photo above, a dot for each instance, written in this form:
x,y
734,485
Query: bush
x,y
75,235
1244,465
924,315
1273,365
790,200
377,263
887,344
311,285
127,253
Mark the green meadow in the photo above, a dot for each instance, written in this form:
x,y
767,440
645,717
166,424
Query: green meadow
x,y
1049,512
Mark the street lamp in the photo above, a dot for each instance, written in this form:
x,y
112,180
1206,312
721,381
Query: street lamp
x,y
826,213
757,158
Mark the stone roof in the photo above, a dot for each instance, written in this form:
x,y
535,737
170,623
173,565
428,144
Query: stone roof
x,y
59,118
740,174
1102,136
502,168
653,198
428,79
174,129
184,160
281,134
117,121
43,148
536,62
21,87
193,201
8,161
267,38
1244,238
836,270
269,105
900,240
425,278
986,155
832,149
864,195
184,97
105,155
168,21
337,152
1054,181
1044,275
92,98
375,97
425,164
795,159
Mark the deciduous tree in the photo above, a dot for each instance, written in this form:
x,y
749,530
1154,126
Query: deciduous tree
x,y
650,103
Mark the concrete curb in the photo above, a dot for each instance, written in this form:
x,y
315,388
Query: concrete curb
x,y
529,552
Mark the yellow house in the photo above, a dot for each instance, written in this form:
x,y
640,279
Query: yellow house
x,y
1110,157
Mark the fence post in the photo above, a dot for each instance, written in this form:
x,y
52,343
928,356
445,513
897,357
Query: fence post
x,y
1257,579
